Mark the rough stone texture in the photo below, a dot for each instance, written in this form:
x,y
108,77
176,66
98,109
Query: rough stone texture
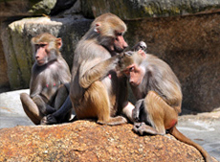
x,y
11,8
42,7
14,8
126,9
8,9
134,9
4,84
190,45
62,5
88,141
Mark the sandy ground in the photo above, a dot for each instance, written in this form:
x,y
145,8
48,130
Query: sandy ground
x,y
202,128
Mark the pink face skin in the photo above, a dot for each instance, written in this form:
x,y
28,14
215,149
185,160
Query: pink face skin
x,y
41,53
119,43
135,73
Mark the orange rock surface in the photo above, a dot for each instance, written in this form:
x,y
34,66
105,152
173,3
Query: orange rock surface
x,y
88,141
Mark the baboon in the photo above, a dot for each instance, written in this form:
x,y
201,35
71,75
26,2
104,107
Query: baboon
x,y
96,89
49,85
158,93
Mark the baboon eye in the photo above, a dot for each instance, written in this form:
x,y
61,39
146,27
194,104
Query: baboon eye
x,y
43,45
40,45
131,69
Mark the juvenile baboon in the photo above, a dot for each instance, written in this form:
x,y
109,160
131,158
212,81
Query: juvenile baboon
x,y
49,85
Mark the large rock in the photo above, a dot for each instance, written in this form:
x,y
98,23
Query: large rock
x,y
135,9
13,8
4,84
129,9
49,7
88,141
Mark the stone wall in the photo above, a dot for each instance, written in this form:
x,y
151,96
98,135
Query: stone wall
x,y
4,82
136,9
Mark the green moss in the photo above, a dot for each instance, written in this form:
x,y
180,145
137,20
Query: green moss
x,y
149,10
175,10
42,7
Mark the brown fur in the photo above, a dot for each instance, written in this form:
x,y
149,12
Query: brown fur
x,y
95,91
159,98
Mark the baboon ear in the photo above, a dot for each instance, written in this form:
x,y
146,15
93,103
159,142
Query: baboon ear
x,y
59,43
143,45
97,27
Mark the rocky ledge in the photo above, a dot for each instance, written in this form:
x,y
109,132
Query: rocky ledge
x,y
88,141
